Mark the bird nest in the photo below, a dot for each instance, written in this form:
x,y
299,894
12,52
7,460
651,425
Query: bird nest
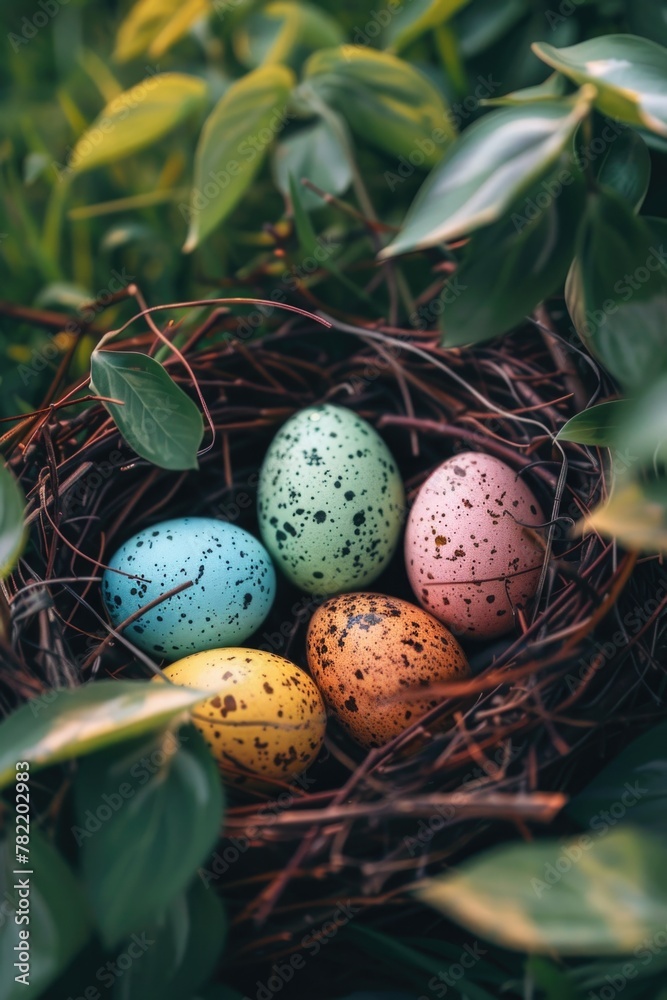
x,y
539,712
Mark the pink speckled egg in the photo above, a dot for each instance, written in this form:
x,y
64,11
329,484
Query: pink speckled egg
x,y
471,560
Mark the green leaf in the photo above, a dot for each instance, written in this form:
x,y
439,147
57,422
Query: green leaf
x,y
627,168
484,22
550,978
154,415
643,433
233,143
553,86
587,896
616,291
628,72
634,784
59,923
12,530
69,722
285,32
409,22
635,515
148,813
315,153
512,266
385,100
153,26
185,946
598,425
496,160
137,118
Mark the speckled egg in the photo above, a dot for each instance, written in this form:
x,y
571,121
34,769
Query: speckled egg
x,y
266,716
471,558
331,501
366,650
233,586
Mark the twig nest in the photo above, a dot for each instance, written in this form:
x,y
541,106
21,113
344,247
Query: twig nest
x,y
374,658
472,558
265,719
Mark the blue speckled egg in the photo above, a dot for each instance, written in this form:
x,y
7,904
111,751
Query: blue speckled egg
x,y
234,585
330,501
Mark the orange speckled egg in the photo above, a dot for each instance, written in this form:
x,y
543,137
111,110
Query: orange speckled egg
x,y
265,715
471,559
365,649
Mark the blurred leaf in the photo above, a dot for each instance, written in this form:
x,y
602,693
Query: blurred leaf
x,y
314,152
156,417
34,166
59,922
153,26
186,944
598,425
550,978
635,515
409,22
495,161
627,168
616,291
147,812
385,100
643,433
12,531
580,897
65,723
512,266
634,784
63,295
233,144
484,22
137,118
285,32
553,86
629,73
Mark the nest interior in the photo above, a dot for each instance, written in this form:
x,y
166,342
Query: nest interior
x,y
544,703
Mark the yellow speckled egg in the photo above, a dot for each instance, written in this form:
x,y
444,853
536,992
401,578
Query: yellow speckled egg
x,y
265,716
364,650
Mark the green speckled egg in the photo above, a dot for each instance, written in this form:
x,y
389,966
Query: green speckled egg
x,y
331,501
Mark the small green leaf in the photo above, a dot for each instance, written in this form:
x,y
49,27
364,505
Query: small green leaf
x,y
69,722
627,168
153,26
137,118
185,946
409,22
553,87
634,784
233,143
60,923
591,895
164,796
496,160
385,100
285,32
155,416
635,515
628,72
616,291
512,266
599,425
12,529
315,153
484,22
